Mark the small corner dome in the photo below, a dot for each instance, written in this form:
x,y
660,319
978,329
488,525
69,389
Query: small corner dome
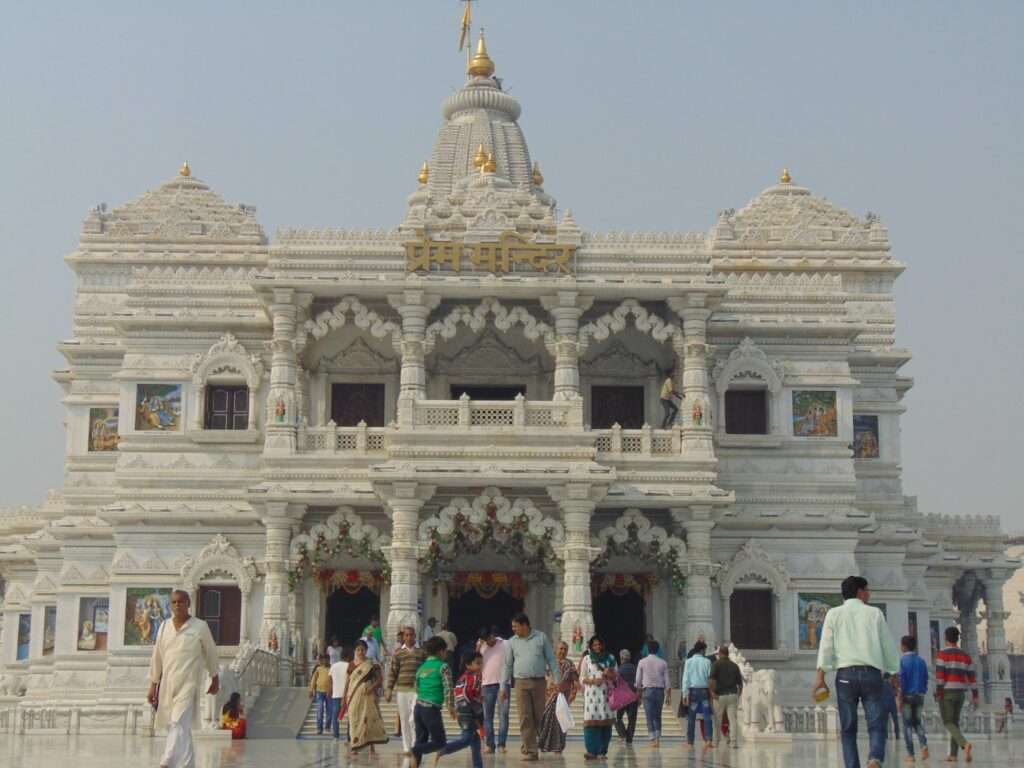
x,y
787,215
182,209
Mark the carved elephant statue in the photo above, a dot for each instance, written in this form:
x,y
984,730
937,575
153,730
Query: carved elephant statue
x,y
761,712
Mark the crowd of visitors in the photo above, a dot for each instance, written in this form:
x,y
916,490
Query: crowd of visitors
x,y
347,682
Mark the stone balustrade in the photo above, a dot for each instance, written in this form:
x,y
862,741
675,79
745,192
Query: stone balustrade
x,y
360,439
645,441
466,413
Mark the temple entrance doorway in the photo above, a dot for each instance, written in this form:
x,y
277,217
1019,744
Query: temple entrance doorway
x,y
478,600
348,612
620,613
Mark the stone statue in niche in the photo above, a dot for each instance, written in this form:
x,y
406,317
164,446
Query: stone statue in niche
x,y
272,642
577,639
280,411
697,415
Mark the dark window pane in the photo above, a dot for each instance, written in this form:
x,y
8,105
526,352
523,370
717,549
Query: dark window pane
x,y
746,412
227,407
750,619
210,600
352,403
616,405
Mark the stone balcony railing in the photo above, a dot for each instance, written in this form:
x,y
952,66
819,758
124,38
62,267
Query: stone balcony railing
x,y
645,441
334,439
466,413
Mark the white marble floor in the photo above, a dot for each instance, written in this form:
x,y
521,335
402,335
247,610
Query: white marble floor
x,y
118,752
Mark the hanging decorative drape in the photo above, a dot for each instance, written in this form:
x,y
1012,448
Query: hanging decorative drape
x,y
487,583
621,583
329,579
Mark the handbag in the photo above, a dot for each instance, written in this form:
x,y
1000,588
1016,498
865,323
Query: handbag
x,y
684,709
563,713
621,695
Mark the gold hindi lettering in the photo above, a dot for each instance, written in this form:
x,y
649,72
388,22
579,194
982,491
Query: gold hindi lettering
x,y
501,257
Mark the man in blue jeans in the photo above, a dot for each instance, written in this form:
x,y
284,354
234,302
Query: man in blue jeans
x,y
914,686
856,644
694,689
492,649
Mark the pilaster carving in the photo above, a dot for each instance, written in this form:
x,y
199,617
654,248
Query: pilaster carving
x,y
404,500
414,307
577,502
565,308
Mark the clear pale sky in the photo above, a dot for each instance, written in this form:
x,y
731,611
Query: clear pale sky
x,y
644,115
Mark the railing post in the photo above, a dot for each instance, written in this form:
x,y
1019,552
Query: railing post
x,y
303,427
616,438
519,411
646,444
332,436
677,439
361,436
464,411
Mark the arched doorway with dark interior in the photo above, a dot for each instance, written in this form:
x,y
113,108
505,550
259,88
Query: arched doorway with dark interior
x,y
348,612
477,600
620,611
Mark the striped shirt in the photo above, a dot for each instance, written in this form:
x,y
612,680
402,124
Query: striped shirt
x,y
404,664
954,671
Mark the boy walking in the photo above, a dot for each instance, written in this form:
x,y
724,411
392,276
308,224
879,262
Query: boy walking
x,y
954,675
469,706
320,692
433,691
913,687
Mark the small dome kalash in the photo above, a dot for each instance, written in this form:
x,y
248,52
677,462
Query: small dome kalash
x,y
480,181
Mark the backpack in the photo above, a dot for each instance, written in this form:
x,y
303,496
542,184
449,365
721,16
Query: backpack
x,y
466,707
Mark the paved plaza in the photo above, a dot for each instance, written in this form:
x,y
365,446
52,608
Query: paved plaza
x,y
120,752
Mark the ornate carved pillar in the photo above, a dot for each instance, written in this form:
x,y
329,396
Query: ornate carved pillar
x,y
565,308
414,308
577,502
691,356
999,685
404,500
283,398
699,616
275,633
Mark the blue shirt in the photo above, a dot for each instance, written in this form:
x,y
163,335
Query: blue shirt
x,y
913,674
529,657
695,673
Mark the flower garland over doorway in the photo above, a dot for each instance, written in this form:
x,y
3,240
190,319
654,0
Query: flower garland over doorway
x,y
633,534
518,529
343,532
487,584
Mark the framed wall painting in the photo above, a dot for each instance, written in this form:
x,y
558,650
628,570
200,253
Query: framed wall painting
x,y
814,413
49,629
811,610
93,623
24,635
146,608
157,407
865,437
103,434
934,636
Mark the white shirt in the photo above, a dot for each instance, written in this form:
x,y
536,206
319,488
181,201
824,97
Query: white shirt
x,y
334,653
339,678
179,658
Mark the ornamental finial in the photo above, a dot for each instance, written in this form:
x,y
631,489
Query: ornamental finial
x,y
185,170
481,65
490,166
785,178
424,175
480,157
538,177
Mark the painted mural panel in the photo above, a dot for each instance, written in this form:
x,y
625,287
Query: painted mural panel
x,y
49,629
157,407
814,413
24,635
103,429
811,610
865,437
934,637
146,608
93,623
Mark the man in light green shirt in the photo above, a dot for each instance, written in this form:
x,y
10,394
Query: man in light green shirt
x,y
857,645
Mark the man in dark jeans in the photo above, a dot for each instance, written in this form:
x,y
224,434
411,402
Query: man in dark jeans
x,y
627,671
914,685
856,643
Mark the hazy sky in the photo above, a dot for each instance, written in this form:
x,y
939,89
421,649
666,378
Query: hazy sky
x,y
644,115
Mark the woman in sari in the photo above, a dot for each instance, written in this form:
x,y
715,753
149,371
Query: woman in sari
x,y
597,671
232,716
550,737
366,726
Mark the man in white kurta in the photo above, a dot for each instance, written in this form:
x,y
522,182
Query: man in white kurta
x,y
184,650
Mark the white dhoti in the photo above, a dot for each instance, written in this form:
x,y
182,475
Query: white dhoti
x,y
178,752
406,705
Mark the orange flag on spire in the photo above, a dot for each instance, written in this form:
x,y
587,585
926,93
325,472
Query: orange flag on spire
x,y
467,22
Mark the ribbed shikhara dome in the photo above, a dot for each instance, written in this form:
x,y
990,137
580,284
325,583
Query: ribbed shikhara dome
x,y
480,114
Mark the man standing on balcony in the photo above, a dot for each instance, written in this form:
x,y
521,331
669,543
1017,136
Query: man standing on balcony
x,y
668,401
184,649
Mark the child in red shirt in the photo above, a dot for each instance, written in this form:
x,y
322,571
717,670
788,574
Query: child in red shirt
x,y
469,706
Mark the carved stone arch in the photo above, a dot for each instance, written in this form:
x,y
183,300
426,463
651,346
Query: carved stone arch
x,y
220,560
225,358
752,565
343,531
615,322
634,533
515,527
475,318
363,317
748,362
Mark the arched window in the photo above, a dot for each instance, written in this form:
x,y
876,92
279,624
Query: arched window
x,y
748,387
224,381
752,588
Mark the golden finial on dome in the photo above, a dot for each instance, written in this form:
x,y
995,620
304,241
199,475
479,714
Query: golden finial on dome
x,y
481,65
538,177
785,178
490,166
480,157
424,175
185,170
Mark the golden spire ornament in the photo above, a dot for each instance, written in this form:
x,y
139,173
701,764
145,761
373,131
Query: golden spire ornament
x,y
481,65
185,170
538,177
490,166
785,178
480,157
424,174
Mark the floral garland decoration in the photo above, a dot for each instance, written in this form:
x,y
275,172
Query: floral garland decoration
x,y
666,559
309,562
